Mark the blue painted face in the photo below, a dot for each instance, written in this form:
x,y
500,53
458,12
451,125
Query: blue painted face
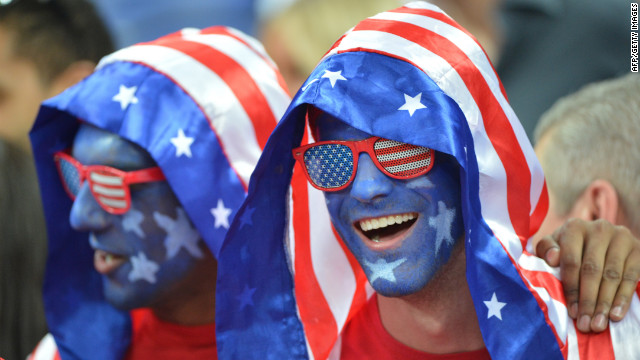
x,y
152,249
400,231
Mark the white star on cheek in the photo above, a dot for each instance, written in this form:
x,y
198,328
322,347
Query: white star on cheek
x,y
411,104
381,269
442,223
180,234
143,269
182,144
494,307
132,220
333,76
126,96
221,214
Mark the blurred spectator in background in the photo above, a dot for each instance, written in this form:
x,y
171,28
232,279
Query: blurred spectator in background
x,y
588,146
132,22
298,36
45,46
554,47
22,254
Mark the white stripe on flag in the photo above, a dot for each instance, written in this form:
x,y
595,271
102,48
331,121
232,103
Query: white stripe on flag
x,y
211,93
534,263
330,264
46,349
557,312
572,342
625,334
277,98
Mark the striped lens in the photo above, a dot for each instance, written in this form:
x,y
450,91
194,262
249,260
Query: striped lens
x,y
109,189
401,159
109,186
329,165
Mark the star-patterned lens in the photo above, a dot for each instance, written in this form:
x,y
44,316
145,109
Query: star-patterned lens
x,y
329,165
70,176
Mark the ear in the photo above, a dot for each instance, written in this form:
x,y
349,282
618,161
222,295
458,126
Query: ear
x,y
71,75
598,201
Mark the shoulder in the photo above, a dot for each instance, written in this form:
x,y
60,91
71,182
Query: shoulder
x,y
45,350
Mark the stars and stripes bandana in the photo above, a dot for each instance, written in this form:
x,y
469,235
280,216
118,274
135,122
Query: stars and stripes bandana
x,y
412,75
202,103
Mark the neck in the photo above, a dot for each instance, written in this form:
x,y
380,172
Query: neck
x,y
192,302
438,319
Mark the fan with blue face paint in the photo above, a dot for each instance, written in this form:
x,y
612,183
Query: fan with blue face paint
x,y
433,190
152,254
142,167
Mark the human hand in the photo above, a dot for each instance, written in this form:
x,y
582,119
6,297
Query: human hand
x,y
600,268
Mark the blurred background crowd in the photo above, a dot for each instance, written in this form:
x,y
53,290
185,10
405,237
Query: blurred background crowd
x,y
542,50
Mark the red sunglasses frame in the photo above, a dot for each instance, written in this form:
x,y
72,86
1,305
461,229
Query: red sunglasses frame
x,y
357,147
128,177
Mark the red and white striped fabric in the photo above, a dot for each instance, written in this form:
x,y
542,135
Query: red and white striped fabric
x,y
325,271
230,76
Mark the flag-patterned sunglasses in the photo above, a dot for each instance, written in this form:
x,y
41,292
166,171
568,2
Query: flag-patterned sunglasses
x,y
331,165
109,186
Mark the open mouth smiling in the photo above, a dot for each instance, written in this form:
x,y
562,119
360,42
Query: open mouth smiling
x,y
388,227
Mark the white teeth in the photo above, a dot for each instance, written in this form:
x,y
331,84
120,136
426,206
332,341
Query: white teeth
x,y
108,258
382,222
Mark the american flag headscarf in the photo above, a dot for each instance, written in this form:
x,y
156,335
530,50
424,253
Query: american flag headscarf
x,y
412,75
216,88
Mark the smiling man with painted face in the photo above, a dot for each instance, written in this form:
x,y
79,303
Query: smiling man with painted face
x,y
142,166
433,191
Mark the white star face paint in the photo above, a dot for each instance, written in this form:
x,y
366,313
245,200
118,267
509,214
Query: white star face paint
x,y
400,231
180,234
145,252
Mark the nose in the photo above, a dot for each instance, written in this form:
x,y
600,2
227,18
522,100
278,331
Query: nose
x,y
86,213
370,183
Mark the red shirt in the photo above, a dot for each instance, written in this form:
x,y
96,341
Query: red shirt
x,y
365,338
158,340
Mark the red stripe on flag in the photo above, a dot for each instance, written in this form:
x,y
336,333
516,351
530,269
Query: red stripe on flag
x,y
236,77
540,211
447,20
223,30
595,346
316,316
546,280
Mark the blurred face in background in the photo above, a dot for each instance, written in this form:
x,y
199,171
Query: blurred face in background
x,y
21,91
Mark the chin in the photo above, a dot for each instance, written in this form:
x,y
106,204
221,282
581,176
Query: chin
x,y
398,289
125,298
